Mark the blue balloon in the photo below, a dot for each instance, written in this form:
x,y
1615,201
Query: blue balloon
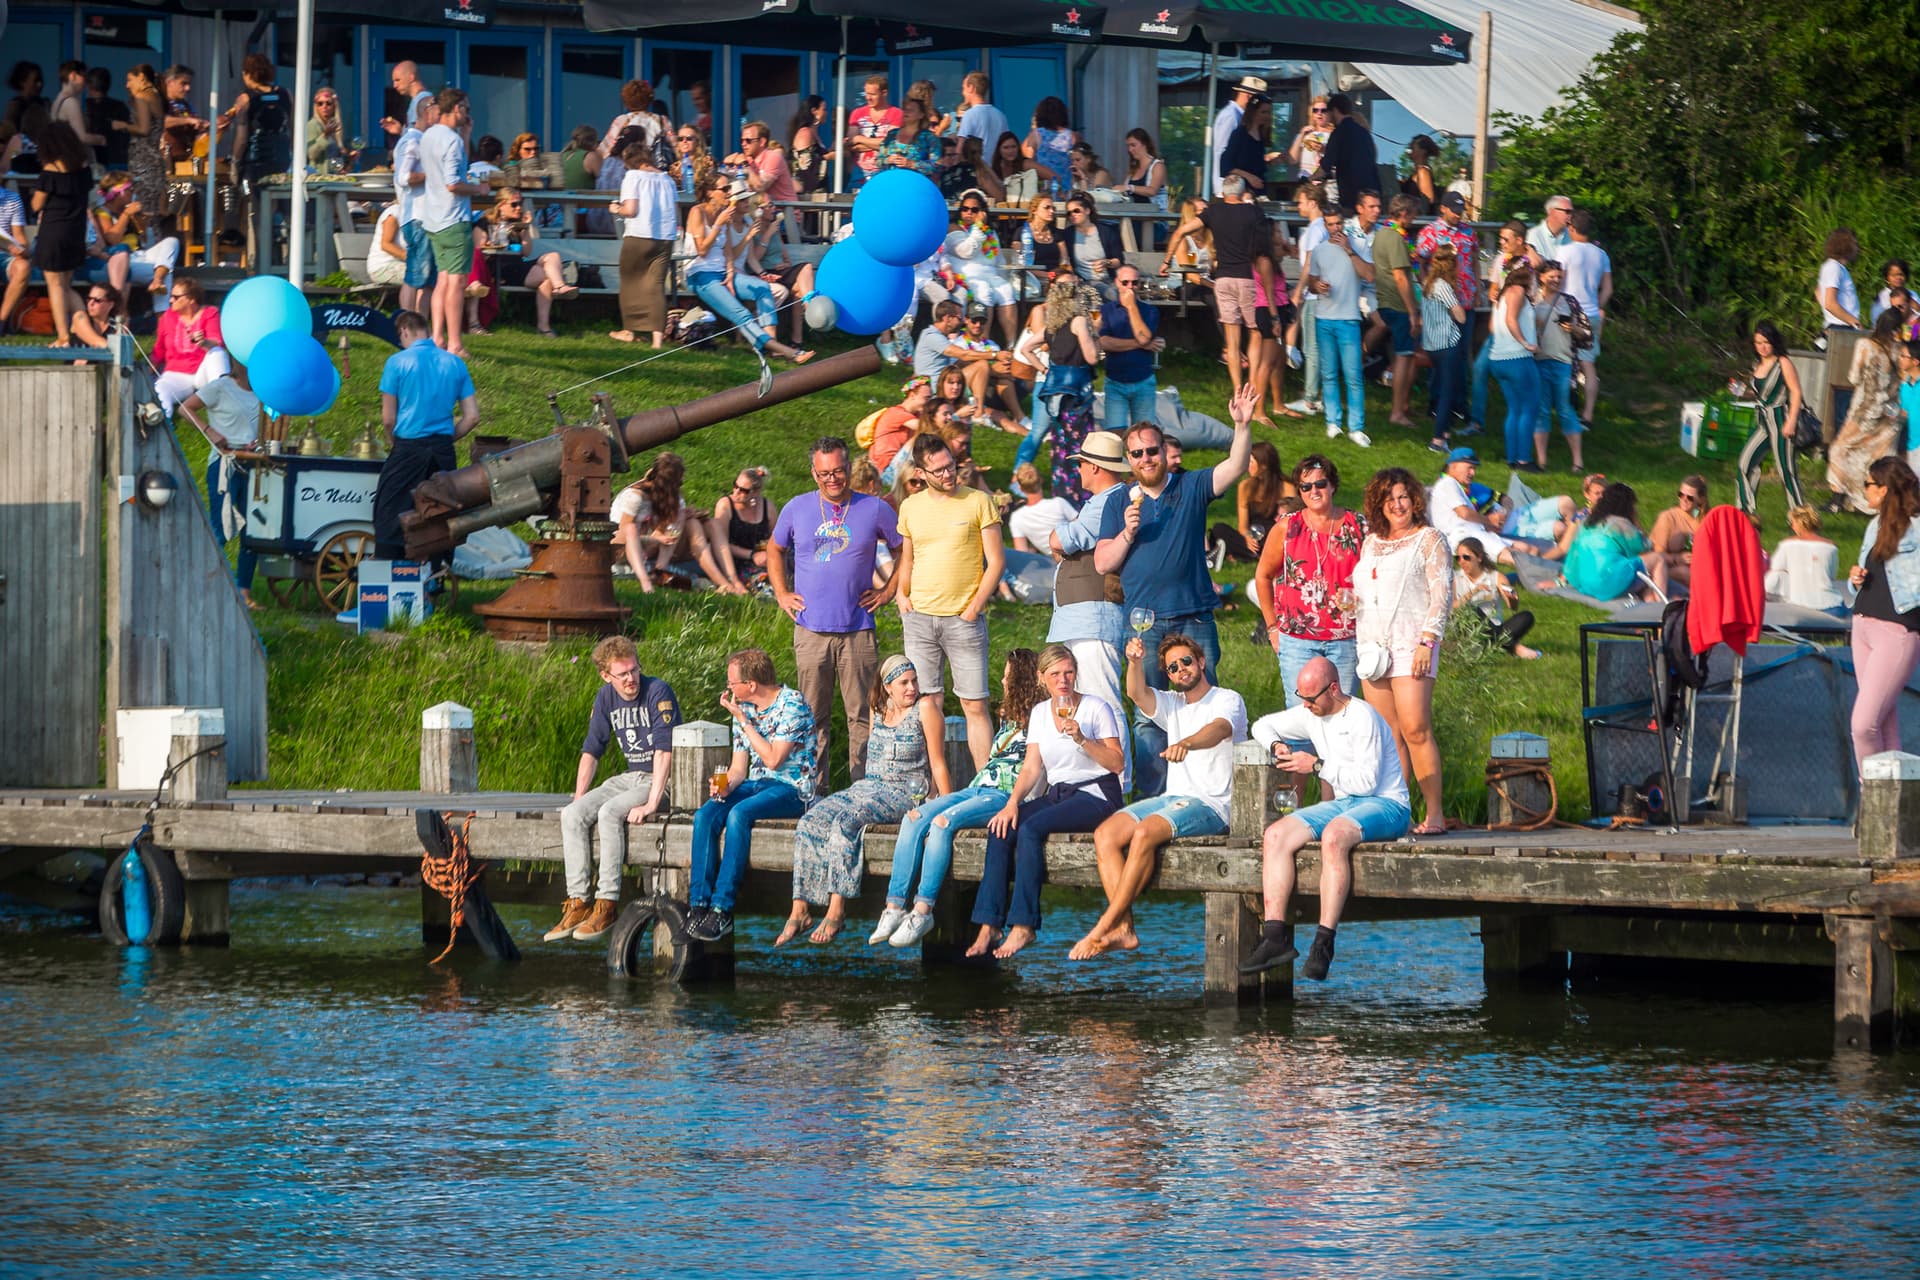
x,y
257,307
293,375
900,217
869,296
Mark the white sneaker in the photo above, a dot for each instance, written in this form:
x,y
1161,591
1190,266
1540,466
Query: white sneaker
x,y
1302,405
889,921
1360,438
1333,431
916,926
1294,358
884,345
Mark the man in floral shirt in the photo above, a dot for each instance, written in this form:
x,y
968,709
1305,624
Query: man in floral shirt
x,y
771,776
1452,226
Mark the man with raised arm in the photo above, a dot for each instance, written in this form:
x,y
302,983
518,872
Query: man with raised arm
x,y
1157,542
636,712
1354,755
1201,722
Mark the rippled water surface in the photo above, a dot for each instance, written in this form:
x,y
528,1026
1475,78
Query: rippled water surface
x,y
317,1101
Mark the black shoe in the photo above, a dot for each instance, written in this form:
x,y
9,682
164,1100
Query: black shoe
x,y
1271,954
1319,956
714,925
696,920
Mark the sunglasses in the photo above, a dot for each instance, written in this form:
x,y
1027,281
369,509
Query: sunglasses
x,y
91,301
1152,451
1311,698
1314,486
1464,560
973,208
1178,664
1128,283
1689,497
685,137
744,488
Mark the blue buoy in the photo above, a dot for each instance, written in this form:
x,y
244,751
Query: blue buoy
x,y
135,911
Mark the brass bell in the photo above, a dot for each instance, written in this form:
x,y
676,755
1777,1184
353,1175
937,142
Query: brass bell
x,y
311,445
368,445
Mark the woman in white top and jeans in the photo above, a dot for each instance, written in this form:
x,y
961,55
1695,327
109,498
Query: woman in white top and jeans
x,y
1403,590
646,246
718,227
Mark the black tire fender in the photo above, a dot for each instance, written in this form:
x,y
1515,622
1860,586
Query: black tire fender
x,y
630,941
166,893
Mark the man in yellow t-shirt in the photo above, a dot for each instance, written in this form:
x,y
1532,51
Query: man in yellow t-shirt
x,y
951,556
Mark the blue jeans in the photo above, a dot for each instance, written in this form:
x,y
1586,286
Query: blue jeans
x,y
1041,423
1022,857
1128,403
1482,366
237,495
926,847
1340,364
711,288
1556,398
735,813
1520,384
1448,368
1295,653
1149,739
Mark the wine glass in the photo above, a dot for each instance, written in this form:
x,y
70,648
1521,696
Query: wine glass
x,y
1286,800
1141,620
1062,711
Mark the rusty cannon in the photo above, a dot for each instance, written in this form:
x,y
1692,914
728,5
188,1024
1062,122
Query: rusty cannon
x,y
567,478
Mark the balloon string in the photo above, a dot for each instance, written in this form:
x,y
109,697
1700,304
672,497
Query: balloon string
x,y
668,351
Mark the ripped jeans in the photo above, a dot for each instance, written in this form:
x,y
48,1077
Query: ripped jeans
x,y
926,847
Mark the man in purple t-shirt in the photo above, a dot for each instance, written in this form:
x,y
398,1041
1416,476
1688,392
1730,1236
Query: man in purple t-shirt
x,y
831,536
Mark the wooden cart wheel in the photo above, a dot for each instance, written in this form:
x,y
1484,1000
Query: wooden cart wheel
x,y
335,569
282,590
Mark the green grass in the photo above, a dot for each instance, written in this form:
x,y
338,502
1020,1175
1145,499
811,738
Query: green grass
x,y
345,710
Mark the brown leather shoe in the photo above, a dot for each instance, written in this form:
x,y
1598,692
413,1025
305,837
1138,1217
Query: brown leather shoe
x,y
598,921
572,918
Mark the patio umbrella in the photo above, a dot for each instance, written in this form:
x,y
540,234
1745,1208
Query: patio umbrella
x,y
1373,31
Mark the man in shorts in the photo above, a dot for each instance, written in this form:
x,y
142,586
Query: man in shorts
x,y
951,556
1359,767
1393,278
416,284
446,213
1202,723
1240,235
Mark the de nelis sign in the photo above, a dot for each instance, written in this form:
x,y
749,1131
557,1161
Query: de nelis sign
x,y
1311,30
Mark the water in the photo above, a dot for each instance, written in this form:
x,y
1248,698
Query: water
x,y
316,1101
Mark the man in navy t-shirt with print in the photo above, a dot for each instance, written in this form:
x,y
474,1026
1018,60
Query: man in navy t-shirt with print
x,y
1157,542
831,537
636,713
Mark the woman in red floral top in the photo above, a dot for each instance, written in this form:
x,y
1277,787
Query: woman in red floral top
x,y
1305,580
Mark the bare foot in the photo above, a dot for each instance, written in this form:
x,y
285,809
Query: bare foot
x,y
1122,938
795,923
981,943
625,335
1088,947
829,930
1017,939
458,351
1525,651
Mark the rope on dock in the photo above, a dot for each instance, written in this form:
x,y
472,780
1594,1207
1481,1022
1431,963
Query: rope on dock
x,y
1499,773
451,876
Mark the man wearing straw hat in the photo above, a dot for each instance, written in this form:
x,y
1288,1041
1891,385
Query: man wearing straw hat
x,y
1245,90
1088,616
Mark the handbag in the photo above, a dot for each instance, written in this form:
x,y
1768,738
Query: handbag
x,y
1373,661
1806,431
1578,326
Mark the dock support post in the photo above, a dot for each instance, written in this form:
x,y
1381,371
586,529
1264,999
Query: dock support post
x,y
1863,983
1518,948
959,754
449,761
197,755
701,748
1233,930
1250,807
1890,806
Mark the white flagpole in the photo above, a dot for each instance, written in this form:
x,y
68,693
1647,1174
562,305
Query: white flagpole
x,y
302,92
1212,74
213,138
840,116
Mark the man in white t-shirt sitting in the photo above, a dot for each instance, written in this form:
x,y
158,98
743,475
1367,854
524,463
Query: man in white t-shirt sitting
x,y
1354,755
1456,516
1202,722
1032,523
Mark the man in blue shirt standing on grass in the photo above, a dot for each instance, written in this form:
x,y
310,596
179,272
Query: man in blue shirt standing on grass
x,y
1130,335
420,387
1157,542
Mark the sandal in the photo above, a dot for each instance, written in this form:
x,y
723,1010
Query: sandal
x,y
829,930
1428,829
546,333
801,357
794,925
1285,412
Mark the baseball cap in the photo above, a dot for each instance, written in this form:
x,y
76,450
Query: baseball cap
x,y
977,311
1106,450
1453,200
1462,454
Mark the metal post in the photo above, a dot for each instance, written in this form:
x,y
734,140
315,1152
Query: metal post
x,y
1206,145
213,138
302,94
840,116
1481,135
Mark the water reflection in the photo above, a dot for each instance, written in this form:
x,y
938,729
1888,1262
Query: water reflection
x,y
318,1101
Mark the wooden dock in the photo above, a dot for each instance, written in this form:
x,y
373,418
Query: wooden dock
x,y
1775,895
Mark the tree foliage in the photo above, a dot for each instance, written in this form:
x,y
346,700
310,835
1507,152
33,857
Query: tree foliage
x,y
1719,146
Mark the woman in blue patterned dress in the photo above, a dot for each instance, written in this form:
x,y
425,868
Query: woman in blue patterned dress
x,y
1049,143
924,847
902,769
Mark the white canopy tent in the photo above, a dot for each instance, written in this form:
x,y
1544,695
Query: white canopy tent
x,y
1540,47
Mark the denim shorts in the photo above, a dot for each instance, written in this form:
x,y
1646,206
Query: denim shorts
x,y
1377,817
1296,652
1187,815
421,271
1400,325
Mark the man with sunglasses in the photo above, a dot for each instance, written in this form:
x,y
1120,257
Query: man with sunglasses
x,y
1364,798
1130,335
1157,542
1202,723
830,536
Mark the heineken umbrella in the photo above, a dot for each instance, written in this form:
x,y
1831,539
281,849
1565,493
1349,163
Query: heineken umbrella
x,y
1382,31
881,26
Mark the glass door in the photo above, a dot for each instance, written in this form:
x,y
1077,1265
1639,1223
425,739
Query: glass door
x,y
768,87
426,49
588,76
505,82
1021,77
683,77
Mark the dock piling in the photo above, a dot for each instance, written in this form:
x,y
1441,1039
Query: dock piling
x,y
1863,983
1254,782
701,749
197,757
1233,930
449,761
1890,806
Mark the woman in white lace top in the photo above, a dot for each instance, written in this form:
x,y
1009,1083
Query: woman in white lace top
x,y
1403,589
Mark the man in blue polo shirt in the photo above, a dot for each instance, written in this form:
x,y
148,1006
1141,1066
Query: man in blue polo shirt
x,y
1130,335
420,388
1157,542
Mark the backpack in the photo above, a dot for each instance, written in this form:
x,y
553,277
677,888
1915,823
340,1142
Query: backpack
x,y
1685,668
863,433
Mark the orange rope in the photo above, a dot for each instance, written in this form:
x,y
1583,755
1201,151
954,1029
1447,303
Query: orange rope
x,y
451,877
1500,773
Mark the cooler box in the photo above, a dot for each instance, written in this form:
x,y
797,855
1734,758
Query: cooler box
x,y
392,591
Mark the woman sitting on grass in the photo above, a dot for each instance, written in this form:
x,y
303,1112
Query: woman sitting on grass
x,y
742,522
1804,566
1610,551
1479,586
653,524
906,761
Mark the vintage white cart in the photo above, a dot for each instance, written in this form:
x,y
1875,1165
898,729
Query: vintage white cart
x,y
310,519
